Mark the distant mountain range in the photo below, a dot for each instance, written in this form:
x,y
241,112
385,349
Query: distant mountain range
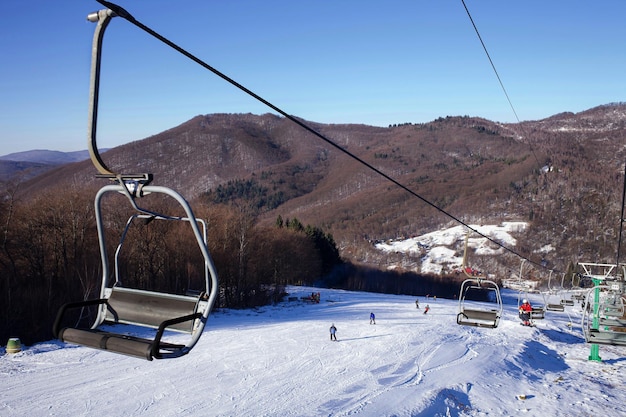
x,y
563,175
30,164
43,156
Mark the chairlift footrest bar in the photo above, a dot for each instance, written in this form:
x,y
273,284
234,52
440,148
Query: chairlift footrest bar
x,y
134,177
126,345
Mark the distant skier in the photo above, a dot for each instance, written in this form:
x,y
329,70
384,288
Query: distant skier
x,y
524,312
426,309
333,330
417,303
372,318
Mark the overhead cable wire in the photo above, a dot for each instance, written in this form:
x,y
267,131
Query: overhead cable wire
x,y
121,12
493,66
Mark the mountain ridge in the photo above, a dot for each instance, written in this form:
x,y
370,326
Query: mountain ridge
x,y
46,156
29,164
457,168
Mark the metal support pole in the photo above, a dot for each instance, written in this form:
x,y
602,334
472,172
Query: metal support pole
x,y
594,354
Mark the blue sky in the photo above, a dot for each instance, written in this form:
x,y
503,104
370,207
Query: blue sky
x,y
370,62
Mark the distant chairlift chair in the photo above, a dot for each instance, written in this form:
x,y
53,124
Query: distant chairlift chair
x,y
550,306
569,301
479,314
602,320
554,306
537,311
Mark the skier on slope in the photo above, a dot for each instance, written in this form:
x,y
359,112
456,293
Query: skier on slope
x,y
372,318
333,330
524,312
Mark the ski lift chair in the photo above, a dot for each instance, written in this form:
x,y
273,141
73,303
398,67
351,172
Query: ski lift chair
x,y
537,310
127,308
478,314
555,307
551,306
552,291
145,311
563,301
575,291
603,322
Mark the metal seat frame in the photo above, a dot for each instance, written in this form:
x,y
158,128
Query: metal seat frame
x,y
477,315
147,309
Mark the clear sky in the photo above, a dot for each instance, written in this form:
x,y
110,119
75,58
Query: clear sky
x,y
370,62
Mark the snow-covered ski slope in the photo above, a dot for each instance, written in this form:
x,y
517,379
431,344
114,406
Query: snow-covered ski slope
x,y
279,361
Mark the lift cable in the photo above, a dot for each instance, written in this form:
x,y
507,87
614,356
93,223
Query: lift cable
x,y
121,12
493,66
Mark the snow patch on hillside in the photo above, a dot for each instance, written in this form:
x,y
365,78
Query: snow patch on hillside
x,y
439,249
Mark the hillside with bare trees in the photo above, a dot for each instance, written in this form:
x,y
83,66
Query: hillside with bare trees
x,y
563,174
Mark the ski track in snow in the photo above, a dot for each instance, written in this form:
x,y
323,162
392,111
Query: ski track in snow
x,y
279,361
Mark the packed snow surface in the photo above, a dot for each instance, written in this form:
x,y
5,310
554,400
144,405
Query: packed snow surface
x,y
279,361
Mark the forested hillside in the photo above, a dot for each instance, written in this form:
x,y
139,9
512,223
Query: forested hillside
x,y
564,174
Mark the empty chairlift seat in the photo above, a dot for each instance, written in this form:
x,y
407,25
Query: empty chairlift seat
x,y
160,311
555,307
552,305
133,321
478,313
121,317
602,320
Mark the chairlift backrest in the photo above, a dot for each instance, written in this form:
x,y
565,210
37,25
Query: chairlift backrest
x,y
477,314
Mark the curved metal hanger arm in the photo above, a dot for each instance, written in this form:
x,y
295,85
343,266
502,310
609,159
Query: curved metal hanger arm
x,y
102,17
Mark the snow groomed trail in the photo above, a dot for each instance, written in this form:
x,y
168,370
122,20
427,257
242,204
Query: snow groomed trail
x,y
279,361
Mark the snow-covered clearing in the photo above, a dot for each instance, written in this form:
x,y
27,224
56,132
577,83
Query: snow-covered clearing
x,y
279,361
435,247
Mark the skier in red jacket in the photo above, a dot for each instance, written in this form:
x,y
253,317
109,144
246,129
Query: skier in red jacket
x,y
524,312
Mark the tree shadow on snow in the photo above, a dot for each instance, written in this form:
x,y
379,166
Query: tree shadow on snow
x,y
564,337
